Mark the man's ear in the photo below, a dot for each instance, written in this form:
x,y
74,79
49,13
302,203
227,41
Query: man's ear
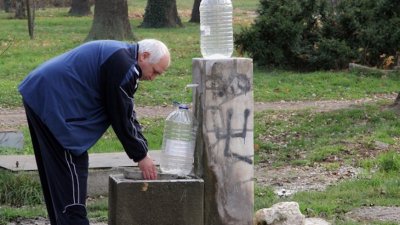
x,y
144,56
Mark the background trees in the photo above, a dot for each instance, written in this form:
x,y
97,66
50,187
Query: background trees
x,y
80,8
110,21
161,13
7,5
195,17
20,9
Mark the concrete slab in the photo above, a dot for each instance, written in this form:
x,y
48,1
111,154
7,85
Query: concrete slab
x,y
101,166
11,139
96,161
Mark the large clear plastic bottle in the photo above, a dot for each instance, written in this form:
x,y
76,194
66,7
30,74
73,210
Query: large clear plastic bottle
x,y
216,32
178,142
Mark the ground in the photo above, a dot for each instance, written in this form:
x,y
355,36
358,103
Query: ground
x,y
285,180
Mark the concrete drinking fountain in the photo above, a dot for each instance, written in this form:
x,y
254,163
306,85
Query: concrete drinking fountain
x,y
223,193
169,200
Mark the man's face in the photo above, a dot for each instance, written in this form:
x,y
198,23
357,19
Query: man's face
x,y
151,71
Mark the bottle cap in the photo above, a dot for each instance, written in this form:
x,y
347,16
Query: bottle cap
x,y
183,106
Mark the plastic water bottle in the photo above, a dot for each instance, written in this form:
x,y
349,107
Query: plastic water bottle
x,y
178,142
216,32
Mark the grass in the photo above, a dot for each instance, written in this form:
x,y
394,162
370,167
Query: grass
x,y
56,33
346,134
289,86
8,213
370,189
299,138
305,137
379,190
152,129
18,190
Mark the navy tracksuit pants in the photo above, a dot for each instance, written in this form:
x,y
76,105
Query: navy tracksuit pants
x,y
63,176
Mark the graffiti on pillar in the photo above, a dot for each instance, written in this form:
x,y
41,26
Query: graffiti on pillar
x,y
229,135
224,91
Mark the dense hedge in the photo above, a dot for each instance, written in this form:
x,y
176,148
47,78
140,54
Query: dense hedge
x,y
312,34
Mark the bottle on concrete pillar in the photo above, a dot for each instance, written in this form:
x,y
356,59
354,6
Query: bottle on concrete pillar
x,y
178,142
216,32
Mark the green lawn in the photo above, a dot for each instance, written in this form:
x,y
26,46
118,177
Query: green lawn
x,y
56,32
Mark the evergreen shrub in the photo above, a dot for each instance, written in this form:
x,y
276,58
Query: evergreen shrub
x,y
314,34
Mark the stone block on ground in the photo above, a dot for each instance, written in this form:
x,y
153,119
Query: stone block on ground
x,y
285,213
316,221
11,139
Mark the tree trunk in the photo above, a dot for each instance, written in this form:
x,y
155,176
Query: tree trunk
x,y
80,8
30,8
161,13
396,104
20,12
397,101
40,4
110,21
195,12
8,6
58,3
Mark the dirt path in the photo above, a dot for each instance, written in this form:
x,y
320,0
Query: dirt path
x,y
11,119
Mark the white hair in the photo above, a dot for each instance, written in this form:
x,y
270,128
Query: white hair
x,y
156,48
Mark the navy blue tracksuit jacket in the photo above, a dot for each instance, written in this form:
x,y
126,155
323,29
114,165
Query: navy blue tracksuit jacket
x,y
80,93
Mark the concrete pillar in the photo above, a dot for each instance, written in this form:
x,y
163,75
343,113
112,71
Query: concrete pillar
x,y
165,201
223,104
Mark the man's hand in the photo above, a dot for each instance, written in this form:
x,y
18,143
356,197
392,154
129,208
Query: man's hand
x,y
149,170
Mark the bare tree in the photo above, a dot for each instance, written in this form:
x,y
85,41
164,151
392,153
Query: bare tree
x,y
161,13
20,12
30,8
195,18
396,104
8,5
80,8
110,21
59,3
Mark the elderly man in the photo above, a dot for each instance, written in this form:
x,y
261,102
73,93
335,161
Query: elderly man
x,y
71,100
